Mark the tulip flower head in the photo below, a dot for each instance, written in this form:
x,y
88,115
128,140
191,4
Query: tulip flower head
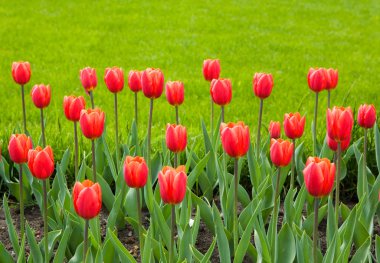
x,y
41,95
73,106
134,80
175,92
87,199
274,129
316,78
21,72
152,81
366,116
176,137
339,123
333,145
281,152
331,78
88,79
221,91
135,171
114,79
172,184
262,85
319,176
41,162
294,125
18,147
211,69
235,138
92,123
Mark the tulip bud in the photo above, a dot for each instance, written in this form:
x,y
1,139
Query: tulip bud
x,y
366,116
41,95
294,125
135,171
88,78
176,137
172,184
235,138
73,106
281,152
134,80
262,85
41,162
316,79
18,147
331,78
211,69
339,123
175,92
221,91
319,176
87,199
333,145
114,79
92,123
274,129
152,81
21,72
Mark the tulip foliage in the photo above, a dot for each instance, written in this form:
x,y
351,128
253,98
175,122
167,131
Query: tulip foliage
x,y
167,200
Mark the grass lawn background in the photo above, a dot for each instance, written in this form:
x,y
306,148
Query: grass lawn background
x,y
284,38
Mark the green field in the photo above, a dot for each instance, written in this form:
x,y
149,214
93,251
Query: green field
x,y
282,37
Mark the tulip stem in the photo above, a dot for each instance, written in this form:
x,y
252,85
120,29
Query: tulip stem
x,y
258,129
136,108
85,241
176,115
23,107
46,243
315,125
42,128
315,232
171,250
212,118
338,160
92,99
222,113
149,135
293,165
116,132
22,223
328,98
76,153
140,222
235,226
93,160
365,155
275,212
175,160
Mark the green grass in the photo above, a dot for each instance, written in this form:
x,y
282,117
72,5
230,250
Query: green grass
x,y
281,37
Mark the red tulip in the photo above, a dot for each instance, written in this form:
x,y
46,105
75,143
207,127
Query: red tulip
x,y
92,123
152,81
114,79
21,72
175,92
281,152
172,184
18,147
262,85
176,137
316,79
331,78
366,116
221,91
235,138
294,125
319,176
41,95
135,171
275,129
88,78
211,69
134,80
333,145
73,106
41,162
87,199
339,123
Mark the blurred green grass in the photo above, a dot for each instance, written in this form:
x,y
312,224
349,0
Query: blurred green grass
x,y
281,37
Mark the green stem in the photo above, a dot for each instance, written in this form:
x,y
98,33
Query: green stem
x,y
222,113
171,250
258,129
236,184
328,98
23,107
136,108
140,223
365,154
116,133
46,243
175,160
212,118
315,232
93,160
22,221
42,128
293,165
92,99
176,115
76,153
149,137
85,241
315,124
275,212
338,158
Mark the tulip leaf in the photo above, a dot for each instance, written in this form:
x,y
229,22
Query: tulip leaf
x,y
6,257
52,240
331,251
11,228
360,234
332,230
107,194
221,238
123,253
34,248
208,254
115,212
198,256
198,169
377,146
110,161
184,245
205,211
287,247
244,241
309,222
160,223
60,253
363,252
261,242
377,247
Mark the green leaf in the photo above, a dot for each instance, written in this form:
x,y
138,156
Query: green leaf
x,y
60,253
363,253
377,146
198,169
221,238
208,254
34,248
244,241
286,244
205,210
6,257
11,228
377,248
123,253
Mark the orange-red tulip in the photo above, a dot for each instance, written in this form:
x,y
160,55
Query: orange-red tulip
x,y
221,91
331,78
18,147
281,152
87,199
41,162
274,129
152,81
21,72
176,137
211,69
73,106
88,78
262,85
135,171
175,92
134,80
366,116
333,145
339,123
235,138
41,95
172,184
114,79
92,123
316,78
319,176
294,125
